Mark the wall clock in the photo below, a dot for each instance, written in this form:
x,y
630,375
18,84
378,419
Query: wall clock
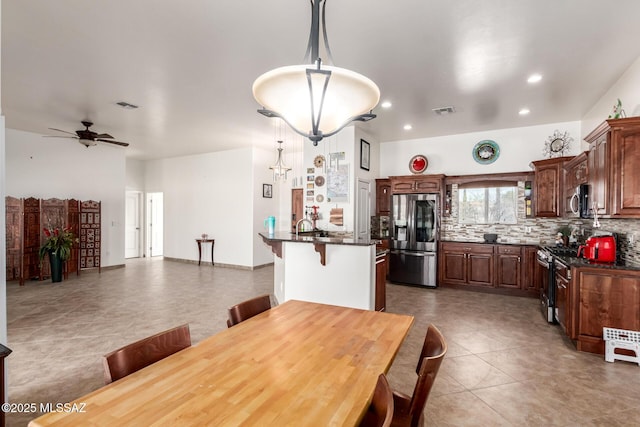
x,y
418,163
486,152
557,145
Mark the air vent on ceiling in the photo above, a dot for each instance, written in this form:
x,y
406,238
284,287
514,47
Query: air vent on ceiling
x,y
127,105
444,110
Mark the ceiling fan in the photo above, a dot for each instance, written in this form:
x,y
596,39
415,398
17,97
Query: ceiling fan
x,y
87,137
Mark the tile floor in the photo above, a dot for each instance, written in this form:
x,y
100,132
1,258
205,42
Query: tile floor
x,y
505,365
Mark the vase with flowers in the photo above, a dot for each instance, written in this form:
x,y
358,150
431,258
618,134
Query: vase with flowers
x,y
57,245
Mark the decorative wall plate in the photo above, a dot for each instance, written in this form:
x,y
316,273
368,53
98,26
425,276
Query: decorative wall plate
x,y
418,163
486,152
318,161
319,181
319,198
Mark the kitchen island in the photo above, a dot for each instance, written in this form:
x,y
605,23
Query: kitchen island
x,y
329,270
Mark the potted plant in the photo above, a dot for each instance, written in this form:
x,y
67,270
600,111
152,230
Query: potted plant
x,y
564,232
58,246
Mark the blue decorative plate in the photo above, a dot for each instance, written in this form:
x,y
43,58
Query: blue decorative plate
x,y
486,152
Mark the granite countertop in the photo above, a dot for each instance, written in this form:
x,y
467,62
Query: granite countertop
x,y
482,242
284,236
571,261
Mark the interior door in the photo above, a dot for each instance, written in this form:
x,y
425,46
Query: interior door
x,y
297,206
132,225
363,210
155,224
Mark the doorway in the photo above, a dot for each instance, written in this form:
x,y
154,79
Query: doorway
x,y
155,218
133,229
363,210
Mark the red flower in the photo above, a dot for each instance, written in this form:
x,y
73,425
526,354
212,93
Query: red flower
x,y
47,232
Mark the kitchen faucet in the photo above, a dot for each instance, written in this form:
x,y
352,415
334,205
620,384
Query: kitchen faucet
x,y
302,220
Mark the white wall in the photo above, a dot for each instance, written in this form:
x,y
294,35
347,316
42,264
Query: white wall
x,y
213,193
452,154
134,180
63,168
264,207
627,88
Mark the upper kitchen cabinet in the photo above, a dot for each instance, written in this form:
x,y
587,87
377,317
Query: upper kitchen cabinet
x,y
383,197
416,184
548,186
614,152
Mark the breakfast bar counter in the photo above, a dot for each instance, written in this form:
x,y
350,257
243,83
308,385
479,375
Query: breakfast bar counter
x,y
328,270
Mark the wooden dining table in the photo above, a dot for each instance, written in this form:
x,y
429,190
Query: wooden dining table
x,y
299,363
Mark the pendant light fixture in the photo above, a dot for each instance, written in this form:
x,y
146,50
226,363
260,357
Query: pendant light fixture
x,y
316,100
280,170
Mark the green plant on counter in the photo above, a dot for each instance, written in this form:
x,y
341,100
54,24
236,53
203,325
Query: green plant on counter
x,y
565,230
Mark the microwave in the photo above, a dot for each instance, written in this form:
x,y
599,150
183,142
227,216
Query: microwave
x,y
578,202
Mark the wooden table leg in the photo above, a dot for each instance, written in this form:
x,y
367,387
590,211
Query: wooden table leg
x,y
199,252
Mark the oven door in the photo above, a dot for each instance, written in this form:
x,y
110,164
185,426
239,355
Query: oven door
x,y
547,291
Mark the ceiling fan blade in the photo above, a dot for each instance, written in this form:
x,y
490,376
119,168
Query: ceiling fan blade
x,y
60,136
124,144
104,135
60,130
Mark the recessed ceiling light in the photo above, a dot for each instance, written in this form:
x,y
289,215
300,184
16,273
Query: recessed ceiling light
x,y
524,111
441,111
386,104
408,127
534,78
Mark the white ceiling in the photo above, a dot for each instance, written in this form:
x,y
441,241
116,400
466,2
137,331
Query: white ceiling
x,y
190,65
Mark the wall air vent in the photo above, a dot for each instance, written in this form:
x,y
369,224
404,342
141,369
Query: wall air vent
x,y
127,105
444,110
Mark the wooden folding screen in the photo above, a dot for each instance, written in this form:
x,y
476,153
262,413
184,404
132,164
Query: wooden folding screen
x,y
25,220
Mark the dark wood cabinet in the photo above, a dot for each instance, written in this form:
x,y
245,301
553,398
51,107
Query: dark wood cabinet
x,y
466,264
508,269
600,297
509,266
530,271
548,187
297,207
381,281
416,184
383,197
562,296
613,158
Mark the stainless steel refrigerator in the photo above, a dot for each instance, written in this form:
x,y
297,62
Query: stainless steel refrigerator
x,y
414,239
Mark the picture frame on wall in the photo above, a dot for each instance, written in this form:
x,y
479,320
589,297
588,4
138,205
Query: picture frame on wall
x,y
267,191
365,155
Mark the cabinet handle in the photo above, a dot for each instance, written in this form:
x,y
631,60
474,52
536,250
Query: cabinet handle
x,y
518,259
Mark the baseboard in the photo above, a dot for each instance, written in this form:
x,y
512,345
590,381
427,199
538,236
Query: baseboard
x,y
217,264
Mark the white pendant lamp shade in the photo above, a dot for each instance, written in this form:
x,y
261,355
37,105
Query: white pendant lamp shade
x,y
316,101
286,90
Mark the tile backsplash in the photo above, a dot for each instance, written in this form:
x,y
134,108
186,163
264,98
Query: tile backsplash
x,y
542,231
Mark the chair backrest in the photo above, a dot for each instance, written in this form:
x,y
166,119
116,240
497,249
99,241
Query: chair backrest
x,y
137,355
380,411
433,351
247,309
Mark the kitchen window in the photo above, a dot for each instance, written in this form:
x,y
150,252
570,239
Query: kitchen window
x,y
495,203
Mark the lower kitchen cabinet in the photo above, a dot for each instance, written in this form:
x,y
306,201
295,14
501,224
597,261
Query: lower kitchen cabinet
x,y
466,264
482,266
600,297
509,266
562,309
381,281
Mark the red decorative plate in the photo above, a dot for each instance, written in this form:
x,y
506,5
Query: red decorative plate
x,y
418,164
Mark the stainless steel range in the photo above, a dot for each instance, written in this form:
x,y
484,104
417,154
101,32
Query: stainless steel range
x,y
546,257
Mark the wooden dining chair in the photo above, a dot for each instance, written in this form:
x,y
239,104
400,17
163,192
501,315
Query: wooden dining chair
x,y
380,411
247,309
409,411
137,355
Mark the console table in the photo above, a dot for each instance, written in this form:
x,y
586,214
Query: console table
x,y
200,242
